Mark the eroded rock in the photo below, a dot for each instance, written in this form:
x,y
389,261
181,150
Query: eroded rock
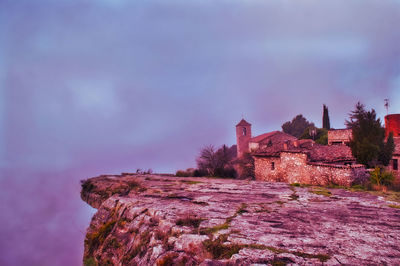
x,y
162,220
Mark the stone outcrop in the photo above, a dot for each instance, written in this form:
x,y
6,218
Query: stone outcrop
x,y
163,220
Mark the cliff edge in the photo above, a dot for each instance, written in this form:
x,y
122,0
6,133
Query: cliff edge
x,y
163,220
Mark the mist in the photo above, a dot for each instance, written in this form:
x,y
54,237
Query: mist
x,y
103,87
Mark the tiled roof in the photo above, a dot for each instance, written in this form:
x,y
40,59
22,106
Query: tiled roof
x,y
243,123
331,153
315,152
274,136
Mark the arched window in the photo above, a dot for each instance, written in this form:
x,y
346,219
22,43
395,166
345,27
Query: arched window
x,y
244,131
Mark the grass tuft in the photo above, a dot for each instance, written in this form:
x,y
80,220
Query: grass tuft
x,y
219,250
189,221
321,191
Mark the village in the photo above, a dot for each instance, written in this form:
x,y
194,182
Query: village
x,y
280,157
301,196
317,156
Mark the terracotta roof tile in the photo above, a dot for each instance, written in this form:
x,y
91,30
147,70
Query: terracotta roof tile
x,y
243,123
315,152
331,153
274,136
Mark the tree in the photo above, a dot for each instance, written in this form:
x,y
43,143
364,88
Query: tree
x,y
320,137
325,118
217,162
297,126
368,143
246,166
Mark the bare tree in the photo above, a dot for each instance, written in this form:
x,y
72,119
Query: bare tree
x,y
217,162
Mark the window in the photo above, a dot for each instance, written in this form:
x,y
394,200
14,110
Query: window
x,y
244,131
272,165
395,164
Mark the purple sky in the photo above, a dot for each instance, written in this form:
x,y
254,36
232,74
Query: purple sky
x,y
105,86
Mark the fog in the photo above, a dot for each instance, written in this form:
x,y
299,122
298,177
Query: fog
x,y
98,86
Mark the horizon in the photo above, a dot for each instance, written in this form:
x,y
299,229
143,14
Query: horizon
x,y
90,87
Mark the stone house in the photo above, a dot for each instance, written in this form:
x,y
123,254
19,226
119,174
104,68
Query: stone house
x,y
339,136
281,157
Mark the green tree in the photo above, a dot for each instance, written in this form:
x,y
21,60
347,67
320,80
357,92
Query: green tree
x,y
297,126
325,118
320,137
368,143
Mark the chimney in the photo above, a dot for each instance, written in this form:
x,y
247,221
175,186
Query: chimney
x,y
285,146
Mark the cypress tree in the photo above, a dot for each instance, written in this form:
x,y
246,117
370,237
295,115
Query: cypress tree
x,y
325,118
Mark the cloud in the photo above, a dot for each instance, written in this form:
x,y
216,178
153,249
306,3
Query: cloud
x,y
96,95
91,87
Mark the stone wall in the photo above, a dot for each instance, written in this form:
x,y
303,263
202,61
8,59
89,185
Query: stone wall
x,y
390,166
294,168
339,135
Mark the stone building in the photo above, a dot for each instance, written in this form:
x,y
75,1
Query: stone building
x,y
392,124
281,157
339,136
243,136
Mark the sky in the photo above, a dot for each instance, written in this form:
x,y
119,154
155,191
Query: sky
x,y
94,87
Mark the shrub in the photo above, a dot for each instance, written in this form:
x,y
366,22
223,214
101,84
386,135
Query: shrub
x,y
381,177
95,239
359,177
227,172
183,173
199,173
87,185
246,166
89,262
220,251
189,220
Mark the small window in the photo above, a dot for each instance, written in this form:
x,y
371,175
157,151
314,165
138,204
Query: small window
x,y
395,164
244,131
272,165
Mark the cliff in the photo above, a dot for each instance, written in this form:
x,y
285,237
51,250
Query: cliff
x,y
161,220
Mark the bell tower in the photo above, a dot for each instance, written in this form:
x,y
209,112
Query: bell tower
x,y
243,136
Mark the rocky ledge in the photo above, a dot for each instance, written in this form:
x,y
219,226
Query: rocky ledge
x,y
163,220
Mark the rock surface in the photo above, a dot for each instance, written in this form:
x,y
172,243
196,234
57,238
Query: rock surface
x,y
163,220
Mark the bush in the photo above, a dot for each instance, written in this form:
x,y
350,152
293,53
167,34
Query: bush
x,y
199,173
359,177
227,172
246,166
381,177
183,173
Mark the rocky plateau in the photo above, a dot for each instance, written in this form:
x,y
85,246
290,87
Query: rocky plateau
x,y
166,220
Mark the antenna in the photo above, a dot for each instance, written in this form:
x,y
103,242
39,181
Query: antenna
x,y
387,105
